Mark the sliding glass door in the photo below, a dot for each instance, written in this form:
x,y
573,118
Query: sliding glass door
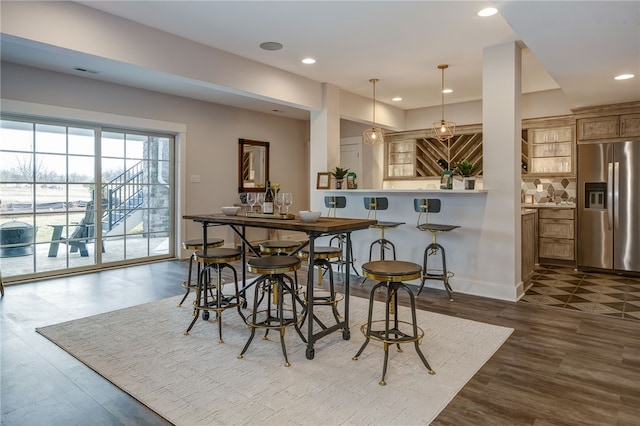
x,y
76,198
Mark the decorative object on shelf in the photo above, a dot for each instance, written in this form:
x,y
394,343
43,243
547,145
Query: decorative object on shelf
x,y
351,181
323,180
467,169
374,135
339,174
443,130
446,181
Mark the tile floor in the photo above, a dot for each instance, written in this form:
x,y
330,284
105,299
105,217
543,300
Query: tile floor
x,y
604,294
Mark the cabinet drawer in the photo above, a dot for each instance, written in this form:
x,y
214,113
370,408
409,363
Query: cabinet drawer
x,y
556,228
551,213
553,248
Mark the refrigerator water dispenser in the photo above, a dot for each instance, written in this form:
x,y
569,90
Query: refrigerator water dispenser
x,y
595,197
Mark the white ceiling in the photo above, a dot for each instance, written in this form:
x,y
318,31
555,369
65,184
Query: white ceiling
x,y
578,46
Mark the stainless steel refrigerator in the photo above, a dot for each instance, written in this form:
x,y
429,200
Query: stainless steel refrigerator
x,y
609,206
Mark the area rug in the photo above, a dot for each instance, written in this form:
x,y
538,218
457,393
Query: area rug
x,y
194,380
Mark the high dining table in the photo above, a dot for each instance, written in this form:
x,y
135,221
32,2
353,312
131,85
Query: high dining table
x,y
323,226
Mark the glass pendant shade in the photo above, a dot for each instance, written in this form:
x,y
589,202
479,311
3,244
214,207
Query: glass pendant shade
x,y
443,130
374,135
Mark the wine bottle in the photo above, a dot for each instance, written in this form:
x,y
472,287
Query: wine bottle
x,y
267,205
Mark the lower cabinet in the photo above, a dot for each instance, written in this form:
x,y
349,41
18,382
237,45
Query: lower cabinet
x,y
556,236
528,247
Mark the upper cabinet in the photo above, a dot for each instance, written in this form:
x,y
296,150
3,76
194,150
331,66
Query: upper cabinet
x,y
608,123
549,147
401,158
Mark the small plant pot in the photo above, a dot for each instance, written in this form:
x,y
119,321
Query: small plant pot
x,y
339,183
469,182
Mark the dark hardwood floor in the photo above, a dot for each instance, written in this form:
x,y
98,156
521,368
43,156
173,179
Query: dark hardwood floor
x,y
559,367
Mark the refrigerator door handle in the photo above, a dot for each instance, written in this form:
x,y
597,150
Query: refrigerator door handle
x,y
616,195
610,195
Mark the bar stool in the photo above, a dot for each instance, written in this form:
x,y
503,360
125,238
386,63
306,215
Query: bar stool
x,y
195,245
278,247
322,256
271,288
426,206
333,203
374,204
216,259
391,274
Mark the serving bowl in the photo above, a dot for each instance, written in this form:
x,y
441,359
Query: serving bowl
x,y
309,216
230,210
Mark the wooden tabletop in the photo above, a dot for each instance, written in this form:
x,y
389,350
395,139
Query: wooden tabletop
x,y
323,225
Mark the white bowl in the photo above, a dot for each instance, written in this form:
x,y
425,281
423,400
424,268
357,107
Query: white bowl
x,y
308,216
230,211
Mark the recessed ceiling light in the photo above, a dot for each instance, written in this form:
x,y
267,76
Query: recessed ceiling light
x,y
308,61
447,91
396,99
624,76
271,45
489,11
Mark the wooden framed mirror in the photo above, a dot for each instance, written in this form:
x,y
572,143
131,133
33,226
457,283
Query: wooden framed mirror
x,y
253,165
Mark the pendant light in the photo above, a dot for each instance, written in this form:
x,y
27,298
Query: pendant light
x,y
374,135
443,130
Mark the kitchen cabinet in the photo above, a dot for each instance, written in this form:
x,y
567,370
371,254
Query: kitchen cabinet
x,y
550,151
528,246
610,123
556,236
401,159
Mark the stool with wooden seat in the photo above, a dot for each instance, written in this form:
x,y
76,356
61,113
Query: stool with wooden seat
x,y
271,287
424,206
322,258
278,247
195,245
207,300
333,203
391,274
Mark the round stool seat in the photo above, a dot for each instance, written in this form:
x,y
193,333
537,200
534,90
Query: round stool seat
x,y
321,252
434,227
277,246
384,224
273,264
218,255
197,244
392,270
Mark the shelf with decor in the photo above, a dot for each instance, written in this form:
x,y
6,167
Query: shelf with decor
x,y
400,159
550,147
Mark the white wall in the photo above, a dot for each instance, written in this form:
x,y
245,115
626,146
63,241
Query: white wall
x,y
210,141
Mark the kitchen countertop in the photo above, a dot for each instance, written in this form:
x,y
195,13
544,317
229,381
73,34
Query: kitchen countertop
x,y
548,205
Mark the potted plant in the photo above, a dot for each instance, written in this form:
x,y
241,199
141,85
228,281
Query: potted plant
x,y
339,174
467,169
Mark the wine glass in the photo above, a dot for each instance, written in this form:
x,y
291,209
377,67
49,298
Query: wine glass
x,y
287,200
251,200
260,199
279,201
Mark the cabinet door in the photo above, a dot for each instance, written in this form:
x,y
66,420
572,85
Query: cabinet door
x,y
551,151
599,128
401,160
629,125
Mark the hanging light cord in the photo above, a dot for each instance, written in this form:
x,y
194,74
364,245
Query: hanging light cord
x,y
374,81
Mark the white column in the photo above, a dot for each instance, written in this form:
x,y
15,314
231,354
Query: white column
x,y
324,150
500,247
